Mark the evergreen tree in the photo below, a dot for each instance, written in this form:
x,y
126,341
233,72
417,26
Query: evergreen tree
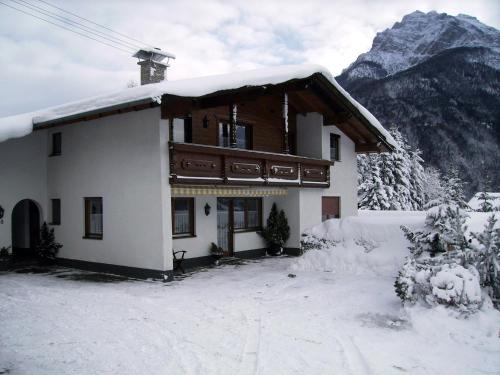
x,y
392,181
485,202
372,190
454,189
486,257
432,186
277,230
417,180
47,248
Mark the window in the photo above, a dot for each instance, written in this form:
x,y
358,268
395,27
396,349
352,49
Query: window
x,y
243,135
334,147
330,208
183,217
182,129
93,218
56,144
247,213
56,211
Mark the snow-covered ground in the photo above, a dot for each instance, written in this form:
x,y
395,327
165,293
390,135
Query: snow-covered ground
x,y
338,315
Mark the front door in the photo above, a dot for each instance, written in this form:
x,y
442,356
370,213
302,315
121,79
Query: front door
x,y
225,225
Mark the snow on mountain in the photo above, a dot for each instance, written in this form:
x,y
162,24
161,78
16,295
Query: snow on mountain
x,y
437,78
418,37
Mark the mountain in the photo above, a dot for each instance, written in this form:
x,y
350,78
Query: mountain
x,y
437,78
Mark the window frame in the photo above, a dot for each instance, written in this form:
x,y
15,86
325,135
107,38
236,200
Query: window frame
x,y
56,136
55,207
187,129
247,228
336,138
192,216
87,204
248,134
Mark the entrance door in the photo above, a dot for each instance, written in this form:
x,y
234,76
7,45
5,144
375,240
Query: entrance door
x,y
225,225
25,228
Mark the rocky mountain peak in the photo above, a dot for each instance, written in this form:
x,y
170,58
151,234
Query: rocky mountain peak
x,y
418,37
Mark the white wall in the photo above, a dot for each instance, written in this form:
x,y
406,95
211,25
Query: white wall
x,y
309,135
121,159
23,175
343,174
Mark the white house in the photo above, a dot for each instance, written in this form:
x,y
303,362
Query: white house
x,y
128,177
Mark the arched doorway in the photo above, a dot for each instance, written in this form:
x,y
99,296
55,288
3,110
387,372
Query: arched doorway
x,y
25,228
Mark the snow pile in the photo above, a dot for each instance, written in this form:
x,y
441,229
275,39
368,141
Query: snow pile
x,y
17,126
371,243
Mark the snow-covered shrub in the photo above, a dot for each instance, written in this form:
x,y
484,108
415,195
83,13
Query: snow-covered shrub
x,y
486,257
436,282
437,271
312,242
455,285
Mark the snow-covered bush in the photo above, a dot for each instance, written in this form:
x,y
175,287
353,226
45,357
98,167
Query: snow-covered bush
x,y
486,257
312,242
438,269
439,280
456,286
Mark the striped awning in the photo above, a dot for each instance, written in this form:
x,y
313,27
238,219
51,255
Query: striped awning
x,y
221,191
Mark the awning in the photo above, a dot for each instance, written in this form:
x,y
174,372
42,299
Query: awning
x,y
221,191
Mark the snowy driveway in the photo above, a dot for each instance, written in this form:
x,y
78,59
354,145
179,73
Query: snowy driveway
x,y
250,319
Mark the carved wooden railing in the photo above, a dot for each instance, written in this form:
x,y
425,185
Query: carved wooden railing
x,y
200,164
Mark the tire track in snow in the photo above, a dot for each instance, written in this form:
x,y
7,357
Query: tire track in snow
x,y
250,355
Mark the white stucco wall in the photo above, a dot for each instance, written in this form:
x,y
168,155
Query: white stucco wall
x,y
119,158
343,174
23,175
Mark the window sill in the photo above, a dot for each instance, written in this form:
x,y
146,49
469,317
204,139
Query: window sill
x,y
248,230
90,237
52,155
179,236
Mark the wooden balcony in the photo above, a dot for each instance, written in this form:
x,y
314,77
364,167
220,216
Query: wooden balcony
x,y
210,165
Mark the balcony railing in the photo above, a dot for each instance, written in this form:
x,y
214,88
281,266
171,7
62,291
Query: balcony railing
x,y
210,165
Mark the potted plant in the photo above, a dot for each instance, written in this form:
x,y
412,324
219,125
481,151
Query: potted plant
x,y
277,231
216,252
5,258
47,248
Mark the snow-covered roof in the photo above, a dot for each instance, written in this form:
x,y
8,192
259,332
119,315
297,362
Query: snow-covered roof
x,y
20,125
475,203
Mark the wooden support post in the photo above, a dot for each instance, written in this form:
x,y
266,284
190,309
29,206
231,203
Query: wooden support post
x,y
286,142
233,110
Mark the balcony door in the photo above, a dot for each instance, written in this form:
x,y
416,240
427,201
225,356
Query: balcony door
x,y
225,233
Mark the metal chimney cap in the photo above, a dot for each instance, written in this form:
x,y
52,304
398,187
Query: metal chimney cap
x,y
154,54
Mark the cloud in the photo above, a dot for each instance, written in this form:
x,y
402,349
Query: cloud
x,y
42,65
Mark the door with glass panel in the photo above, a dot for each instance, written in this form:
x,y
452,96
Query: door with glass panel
x,y
225,225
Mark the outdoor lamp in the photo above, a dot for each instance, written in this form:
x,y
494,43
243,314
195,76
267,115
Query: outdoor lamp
x,y
207,209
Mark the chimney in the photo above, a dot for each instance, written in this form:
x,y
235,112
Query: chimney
x,y
153,68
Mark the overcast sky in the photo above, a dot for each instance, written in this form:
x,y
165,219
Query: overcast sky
x,y
42,65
